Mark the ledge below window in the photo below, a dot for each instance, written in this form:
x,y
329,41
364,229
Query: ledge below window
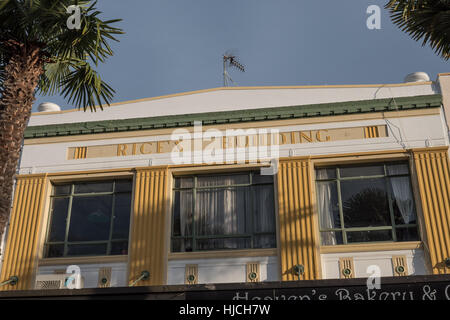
x,y
223,254
82,260
367,247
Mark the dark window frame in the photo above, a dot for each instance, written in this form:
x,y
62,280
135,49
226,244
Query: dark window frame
x,y
71,195
194,189
393,227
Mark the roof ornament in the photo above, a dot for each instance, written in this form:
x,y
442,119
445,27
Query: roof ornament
x,y
48,107
417,77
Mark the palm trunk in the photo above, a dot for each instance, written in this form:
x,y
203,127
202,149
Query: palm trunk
x,y
21,78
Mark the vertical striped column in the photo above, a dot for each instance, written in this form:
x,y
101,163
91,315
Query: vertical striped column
x,y
23,234
80,153
432,168
148,231
371,132
297,229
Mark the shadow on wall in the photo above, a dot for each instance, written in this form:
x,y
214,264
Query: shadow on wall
x,y
299,248
420,264
272,272
22,269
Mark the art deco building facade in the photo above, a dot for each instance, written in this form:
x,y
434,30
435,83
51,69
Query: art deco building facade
x,y
242,184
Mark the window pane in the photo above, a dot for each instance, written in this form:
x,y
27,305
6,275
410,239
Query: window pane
x,y
90,187
122,207
182,213
325,174
365,203
221,211
407,234
181,245
366,236
328,203
403,217
223,180
86,249
60,208
403,204
124,186
219,244
119,247
90,218
263,207
265,241
61,190
184,182
258,178
361,171
329,238
219,207
397,168
55,250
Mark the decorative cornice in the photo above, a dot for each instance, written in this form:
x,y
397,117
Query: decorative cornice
x,y
238,116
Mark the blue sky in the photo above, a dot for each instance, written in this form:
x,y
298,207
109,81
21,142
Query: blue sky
x,y
173,46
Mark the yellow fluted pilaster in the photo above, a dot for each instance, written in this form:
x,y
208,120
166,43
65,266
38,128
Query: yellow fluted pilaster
x,y
298,244
432,167
147,250
21,244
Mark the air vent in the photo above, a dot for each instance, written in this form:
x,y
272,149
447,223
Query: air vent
x,y
49,284
54,281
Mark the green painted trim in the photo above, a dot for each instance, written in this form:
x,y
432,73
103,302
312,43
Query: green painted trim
x,y
239,116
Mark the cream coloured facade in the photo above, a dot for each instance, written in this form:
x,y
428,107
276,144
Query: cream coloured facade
x,y
317,130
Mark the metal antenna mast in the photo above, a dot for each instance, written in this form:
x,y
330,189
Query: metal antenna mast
x,y
230,60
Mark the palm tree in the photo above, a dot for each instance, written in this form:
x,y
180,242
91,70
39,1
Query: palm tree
x,y
424,19
39,53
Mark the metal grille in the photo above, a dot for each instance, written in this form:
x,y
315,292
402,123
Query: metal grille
x,y
49,284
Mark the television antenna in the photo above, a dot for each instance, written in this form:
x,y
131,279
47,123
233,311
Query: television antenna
x,y
230,60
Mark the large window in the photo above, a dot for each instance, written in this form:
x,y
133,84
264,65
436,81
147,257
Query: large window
x,y
89,218
364,203
226,211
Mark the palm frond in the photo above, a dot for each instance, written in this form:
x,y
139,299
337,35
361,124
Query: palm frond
x,y
83,86
424,20
68,53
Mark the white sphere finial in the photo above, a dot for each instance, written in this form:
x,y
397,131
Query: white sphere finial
x,y
417,77
48,107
